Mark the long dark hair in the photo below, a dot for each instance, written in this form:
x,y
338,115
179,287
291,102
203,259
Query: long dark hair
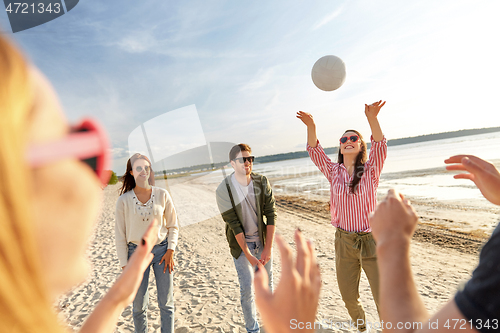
x,y
359,165
128,180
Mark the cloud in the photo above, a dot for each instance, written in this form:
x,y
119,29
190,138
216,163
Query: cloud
x,y
118,152
327,19
137,43
262,78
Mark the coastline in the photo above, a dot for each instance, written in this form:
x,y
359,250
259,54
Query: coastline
x,y
469,214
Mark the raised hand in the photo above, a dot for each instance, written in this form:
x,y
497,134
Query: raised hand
x,y
372,110
482,173
306,118
394,220
122,293
294,303
129,281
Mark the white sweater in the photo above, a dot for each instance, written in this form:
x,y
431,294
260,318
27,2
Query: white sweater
x,y
130,225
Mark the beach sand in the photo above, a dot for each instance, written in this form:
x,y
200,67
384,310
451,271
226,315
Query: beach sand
x,y
206,289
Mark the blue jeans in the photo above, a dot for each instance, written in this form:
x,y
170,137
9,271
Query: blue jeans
x,y
164,286
245,276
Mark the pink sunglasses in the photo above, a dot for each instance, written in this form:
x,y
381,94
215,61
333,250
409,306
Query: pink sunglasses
x,y
353,138
87,141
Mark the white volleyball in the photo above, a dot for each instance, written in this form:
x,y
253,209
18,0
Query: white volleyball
x,y
328,73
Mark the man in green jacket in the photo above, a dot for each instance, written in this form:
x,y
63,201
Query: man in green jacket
x,y
246,203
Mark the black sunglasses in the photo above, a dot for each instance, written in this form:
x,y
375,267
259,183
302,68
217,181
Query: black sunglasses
x,y
353,138
242,160
146,168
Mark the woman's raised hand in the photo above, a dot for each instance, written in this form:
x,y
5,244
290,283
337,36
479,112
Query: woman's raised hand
x,y
372,110
306,118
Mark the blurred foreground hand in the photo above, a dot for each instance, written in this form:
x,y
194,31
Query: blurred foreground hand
x,y
292,307
482,173
394,221
122,293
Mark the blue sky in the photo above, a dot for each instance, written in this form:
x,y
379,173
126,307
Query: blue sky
x,y
246,66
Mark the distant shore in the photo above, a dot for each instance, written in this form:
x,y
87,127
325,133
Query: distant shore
x,y
179,172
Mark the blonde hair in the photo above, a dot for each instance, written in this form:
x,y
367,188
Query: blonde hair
x,y
24,300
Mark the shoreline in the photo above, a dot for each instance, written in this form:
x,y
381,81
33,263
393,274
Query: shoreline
x,y
473,216
429,230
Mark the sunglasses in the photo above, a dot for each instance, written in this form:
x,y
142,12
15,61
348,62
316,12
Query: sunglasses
x,y
86,141
242,160
146,168
353,138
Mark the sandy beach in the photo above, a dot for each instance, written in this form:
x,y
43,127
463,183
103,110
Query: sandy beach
x,y
206,287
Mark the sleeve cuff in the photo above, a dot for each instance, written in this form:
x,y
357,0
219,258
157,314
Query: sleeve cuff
x,y
123,263
308,147
237,230
383,141
271,221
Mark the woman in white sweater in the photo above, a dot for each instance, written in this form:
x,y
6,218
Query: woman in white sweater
x,y
140,203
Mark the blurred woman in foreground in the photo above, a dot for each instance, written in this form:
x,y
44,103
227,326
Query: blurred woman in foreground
x,y
49,201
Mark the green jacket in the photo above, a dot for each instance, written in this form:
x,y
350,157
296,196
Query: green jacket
x,y
266,210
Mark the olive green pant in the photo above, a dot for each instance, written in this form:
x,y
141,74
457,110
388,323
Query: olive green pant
x,y
353,251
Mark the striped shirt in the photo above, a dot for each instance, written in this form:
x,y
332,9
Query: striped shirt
x,y
350,211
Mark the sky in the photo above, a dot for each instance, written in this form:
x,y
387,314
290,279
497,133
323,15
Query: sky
x,y
240,70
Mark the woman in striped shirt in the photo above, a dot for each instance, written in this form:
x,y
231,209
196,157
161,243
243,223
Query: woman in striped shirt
x,y
353,196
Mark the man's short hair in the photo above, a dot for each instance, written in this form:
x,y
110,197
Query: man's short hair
x,y
237,149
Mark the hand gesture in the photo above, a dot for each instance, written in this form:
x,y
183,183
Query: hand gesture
x,y
252,260
127,284
394,221
168,258
306,118
296,297
372,110
482,173
266,255
122,293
